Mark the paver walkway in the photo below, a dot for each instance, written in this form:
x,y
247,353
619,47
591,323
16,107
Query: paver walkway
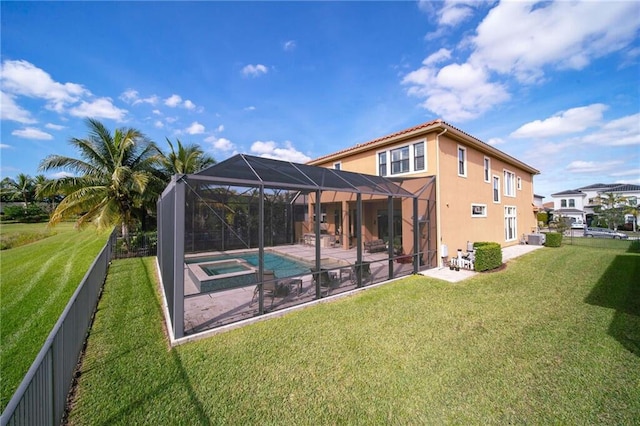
x,y
447,274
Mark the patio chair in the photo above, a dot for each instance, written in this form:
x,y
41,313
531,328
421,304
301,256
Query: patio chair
x,y
270,286
363,270
328,279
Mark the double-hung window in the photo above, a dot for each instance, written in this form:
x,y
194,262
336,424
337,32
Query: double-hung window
x,y
509,184
462,161
382,164
400,160
496,189
572,202
563,203
418,156
487,169
337,166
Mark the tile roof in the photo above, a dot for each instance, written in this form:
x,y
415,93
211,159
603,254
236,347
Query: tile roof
x,y
569,192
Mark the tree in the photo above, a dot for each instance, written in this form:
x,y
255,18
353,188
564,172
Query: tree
x,y
109,179
635,212
22,189
610,208
187,159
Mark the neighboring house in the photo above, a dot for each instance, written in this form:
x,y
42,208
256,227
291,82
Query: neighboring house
x,y
480,193
581,202
569,204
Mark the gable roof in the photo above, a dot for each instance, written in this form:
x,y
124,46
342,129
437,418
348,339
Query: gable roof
x,y
421,129
570,192
612,187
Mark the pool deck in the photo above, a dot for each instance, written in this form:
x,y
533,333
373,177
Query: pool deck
x,y
210,310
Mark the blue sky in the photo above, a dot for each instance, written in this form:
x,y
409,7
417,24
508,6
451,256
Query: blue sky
x,y
556,85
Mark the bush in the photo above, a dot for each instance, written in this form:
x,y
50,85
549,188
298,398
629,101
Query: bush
x,y
553,239
488,256
543,217
30,214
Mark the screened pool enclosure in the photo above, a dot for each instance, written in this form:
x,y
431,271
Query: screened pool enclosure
x,y
252,235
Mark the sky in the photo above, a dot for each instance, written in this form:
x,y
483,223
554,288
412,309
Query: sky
x,y
554,84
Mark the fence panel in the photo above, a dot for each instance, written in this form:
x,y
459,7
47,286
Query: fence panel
x,y
41,397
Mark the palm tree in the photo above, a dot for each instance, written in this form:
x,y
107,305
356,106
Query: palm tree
x,y
109,179
187,159
635,212
22,189
609,207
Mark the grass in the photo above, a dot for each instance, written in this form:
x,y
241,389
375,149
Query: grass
x,y
19,234
36,283
554,338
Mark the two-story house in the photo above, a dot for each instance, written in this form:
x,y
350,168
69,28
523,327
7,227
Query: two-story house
x,y
570,204
480,192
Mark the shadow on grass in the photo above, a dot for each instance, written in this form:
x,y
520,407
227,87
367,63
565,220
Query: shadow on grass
x,y
619,289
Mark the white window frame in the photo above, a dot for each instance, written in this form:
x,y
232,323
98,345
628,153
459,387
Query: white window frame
x,y
487,169
510,223
563,203
519,183
337,166
411,146
402,160
464,160
509,183
478,210
495,190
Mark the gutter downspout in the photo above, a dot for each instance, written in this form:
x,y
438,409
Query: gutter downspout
x,y
438,216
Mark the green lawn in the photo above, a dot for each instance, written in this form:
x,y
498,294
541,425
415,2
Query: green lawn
x,y
36,282
553,339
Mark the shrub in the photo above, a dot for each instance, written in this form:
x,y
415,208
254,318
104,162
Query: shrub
x,y
553,239
488,255
543,217
30,214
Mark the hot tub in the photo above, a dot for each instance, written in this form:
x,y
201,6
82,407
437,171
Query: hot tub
x,y
210,276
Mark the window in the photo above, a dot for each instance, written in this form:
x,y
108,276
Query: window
x,y
572,202
496,189
382,164
478,210
418,156
509,184
633,201
563,203
487,169
462,161
519,183
337,166
510,225
400,160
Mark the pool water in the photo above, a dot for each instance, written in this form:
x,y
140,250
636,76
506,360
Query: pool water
x,y
281,265
226,269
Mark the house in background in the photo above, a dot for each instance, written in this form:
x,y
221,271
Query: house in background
x,y
481,193
581,202
570,204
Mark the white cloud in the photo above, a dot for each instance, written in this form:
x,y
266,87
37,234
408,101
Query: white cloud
x,y
156,112
129,96
559,34
54,126
220,128
195,128
518,40
289,45
631,172
32,133
9,110
25,79
592,166
158,124
173,101
5,146
98,108
220,144
254,70
250,108
495,141
60,175
619,132
270,149
573,120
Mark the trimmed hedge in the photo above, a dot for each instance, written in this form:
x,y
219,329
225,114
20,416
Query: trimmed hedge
x,y
553,239
488,255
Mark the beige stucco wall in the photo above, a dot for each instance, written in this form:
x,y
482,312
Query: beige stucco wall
x,y
456,194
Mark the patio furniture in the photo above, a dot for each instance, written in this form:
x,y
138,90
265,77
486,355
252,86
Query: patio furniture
x,y
269,286
328,279
375,246
361,270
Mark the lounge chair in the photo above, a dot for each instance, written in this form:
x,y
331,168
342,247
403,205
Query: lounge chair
x,y
328,279
269,284
361,270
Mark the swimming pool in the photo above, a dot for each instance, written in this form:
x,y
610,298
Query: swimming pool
x,y
281,265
